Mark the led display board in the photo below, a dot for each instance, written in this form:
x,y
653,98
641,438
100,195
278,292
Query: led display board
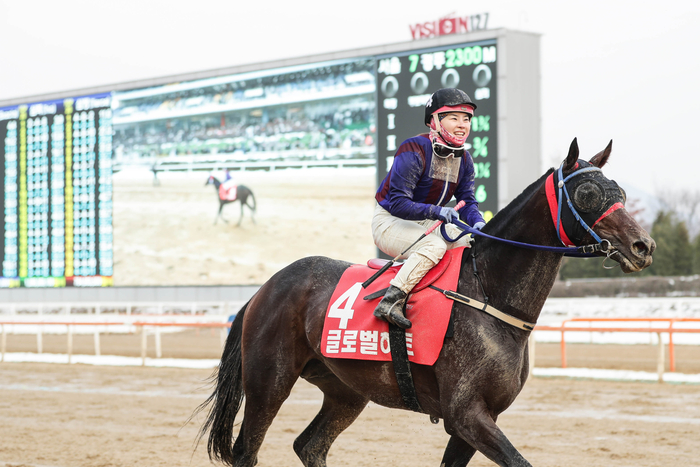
x,y
56,190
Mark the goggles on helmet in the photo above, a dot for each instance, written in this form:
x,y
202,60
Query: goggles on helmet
x,y
467,109
444,150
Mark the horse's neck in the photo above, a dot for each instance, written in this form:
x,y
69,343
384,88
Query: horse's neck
x,y
216,182
518,280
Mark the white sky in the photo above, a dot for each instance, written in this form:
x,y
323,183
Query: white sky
x,y
612,69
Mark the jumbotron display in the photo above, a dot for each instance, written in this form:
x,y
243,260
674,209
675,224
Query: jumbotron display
x,y
311,137
57,193
405,82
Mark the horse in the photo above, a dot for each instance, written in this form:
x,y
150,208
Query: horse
x,y
276,337
243,193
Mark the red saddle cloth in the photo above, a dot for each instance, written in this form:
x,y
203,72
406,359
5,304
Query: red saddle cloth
x,y
227,191
350,329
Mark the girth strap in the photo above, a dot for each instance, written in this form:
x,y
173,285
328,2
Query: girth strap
x,y
512,320
402,367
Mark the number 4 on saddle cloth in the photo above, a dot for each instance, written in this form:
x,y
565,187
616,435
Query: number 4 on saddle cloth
x,y
227,190
350,330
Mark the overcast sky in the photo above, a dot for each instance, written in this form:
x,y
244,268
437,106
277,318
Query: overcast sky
x,y
622,70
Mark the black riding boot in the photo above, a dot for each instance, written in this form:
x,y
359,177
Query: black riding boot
x,y
390,308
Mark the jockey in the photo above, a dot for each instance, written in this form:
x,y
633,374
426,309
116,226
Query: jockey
x,y
427,171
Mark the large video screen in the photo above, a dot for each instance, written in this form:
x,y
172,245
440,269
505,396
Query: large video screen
x,y
301,139
222,180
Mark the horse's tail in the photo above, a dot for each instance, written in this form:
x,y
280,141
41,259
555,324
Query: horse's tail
x,y
227,397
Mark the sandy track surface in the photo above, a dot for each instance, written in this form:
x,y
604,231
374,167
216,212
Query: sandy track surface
x,y
78,415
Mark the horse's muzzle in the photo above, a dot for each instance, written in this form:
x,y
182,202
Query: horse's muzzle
x,y
638,255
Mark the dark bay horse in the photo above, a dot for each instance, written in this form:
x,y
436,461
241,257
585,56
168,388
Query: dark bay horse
x,y
276,337
243,194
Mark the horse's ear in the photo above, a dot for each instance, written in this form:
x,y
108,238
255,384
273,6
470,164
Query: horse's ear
x,y
600,159
572,158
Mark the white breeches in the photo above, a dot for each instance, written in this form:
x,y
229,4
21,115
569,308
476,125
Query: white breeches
x,y
393,235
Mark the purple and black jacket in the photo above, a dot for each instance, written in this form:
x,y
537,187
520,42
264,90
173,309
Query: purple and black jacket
x,y
409,192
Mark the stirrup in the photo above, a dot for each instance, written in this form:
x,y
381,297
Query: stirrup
x,y
390,308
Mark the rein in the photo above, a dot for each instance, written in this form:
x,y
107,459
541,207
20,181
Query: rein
x,y
583,251
555,206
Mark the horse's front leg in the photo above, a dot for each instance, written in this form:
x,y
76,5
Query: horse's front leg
x,y
220,213
477,427
458,453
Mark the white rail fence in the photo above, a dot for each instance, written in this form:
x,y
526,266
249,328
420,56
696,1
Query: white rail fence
x,y
145,318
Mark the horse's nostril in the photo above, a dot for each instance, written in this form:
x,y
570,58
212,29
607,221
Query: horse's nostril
x,y
644,247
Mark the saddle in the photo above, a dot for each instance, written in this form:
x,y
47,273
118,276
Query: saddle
x,y
432,275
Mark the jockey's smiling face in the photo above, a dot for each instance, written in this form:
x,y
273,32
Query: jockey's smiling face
x,y
457,123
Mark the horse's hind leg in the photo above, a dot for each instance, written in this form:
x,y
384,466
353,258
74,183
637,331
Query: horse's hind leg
x,y
341,406
252,210
240,219
265,391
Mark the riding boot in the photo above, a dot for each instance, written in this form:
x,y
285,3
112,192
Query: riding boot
x,y
390,308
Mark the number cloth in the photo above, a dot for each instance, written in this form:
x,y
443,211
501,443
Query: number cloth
x,y
227,191
351,331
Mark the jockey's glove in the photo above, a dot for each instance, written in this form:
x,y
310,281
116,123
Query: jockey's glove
x,y
448,215
479,225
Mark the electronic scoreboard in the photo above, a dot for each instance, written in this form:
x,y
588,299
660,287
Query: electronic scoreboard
x,y
56,190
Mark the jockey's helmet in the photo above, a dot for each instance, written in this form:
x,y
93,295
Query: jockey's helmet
x,y
448,100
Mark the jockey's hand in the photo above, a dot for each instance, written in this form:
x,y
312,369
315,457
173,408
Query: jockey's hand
x,y
448,215
479,225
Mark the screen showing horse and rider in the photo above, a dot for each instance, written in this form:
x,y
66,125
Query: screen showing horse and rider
x,y
294,152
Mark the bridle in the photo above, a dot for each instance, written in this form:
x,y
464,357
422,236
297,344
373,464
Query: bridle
x,y
555,199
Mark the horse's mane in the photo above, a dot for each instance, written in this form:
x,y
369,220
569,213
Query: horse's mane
x,y
506,214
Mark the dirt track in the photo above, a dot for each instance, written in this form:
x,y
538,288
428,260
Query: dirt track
x,y
165,234
77,415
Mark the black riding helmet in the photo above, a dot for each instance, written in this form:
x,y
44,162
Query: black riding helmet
x,y
446,97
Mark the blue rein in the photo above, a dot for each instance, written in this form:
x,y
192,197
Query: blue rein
x,y
583,251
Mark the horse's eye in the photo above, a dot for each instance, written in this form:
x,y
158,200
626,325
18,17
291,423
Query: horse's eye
x,y
624,195
588,196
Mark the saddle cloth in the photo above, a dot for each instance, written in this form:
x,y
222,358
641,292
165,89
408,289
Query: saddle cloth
x,y
227,191
350,330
